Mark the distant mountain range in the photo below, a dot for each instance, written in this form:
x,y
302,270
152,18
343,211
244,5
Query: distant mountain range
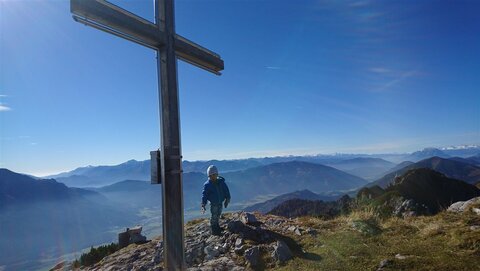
x,y
367,168
426,153
245,185
462,150
399,167
267,206
280,178
141,194
224,165
97,176
51,220
450,167
427,191
22,189
104,175
132,194
474,160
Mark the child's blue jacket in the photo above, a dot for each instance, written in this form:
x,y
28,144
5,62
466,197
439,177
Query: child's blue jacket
x,y
215,192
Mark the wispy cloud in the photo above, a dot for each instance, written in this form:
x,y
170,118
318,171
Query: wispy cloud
x,y
273,67
358,4
4,108
380,70
400,78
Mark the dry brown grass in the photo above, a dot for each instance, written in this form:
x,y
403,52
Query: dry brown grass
x,y
441,242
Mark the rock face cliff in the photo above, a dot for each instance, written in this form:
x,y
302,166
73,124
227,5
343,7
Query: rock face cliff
x,y
247,242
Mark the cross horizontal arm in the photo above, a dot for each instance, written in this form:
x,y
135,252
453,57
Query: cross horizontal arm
x,y
120,22
197,55
109,16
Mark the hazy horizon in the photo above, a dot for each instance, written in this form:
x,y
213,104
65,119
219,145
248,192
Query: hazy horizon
x,y
43,174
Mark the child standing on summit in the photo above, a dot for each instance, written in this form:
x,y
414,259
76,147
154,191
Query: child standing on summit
x,y
216,191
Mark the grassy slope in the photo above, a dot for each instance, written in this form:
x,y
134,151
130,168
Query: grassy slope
x,y
441,242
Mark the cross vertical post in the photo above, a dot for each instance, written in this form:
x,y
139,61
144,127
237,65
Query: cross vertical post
x,y
169,46
172,193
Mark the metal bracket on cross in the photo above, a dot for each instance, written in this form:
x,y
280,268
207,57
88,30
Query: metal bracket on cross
x,y
155,167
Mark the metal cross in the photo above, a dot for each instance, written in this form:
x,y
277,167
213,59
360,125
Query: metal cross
x,y
169,46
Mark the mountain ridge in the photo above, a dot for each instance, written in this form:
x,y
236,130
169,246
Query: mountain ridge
x,y
31,206
451,168
267,206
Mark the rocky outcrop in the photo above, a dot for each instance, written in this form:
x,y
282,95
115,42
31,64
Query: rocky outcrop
x,y
462,206
432,189
249,219
419,192
408,208
281,252
240,247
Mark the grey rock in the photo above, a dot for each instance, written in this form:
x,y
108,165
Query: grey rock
x,y
384,263
248,218
405,208
220,264
291,228
281,252
238,242
246,232
401,257
195,254
252,256
214,239
157,256
210,252
462,206
224,248
235,226
239,250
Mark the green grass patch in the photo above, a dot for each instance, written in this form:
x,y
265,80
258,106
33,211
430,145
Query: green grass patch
x,y
441,242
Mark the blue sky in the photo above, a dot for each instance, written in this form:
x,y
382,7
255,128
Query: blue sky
x,y
301,77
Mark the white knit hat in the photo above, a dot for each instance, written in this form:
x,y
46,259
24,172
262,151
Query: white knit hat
x,y
212,170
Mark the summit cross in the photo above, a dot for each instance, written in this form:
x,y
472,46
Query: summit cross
x,y
161,37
